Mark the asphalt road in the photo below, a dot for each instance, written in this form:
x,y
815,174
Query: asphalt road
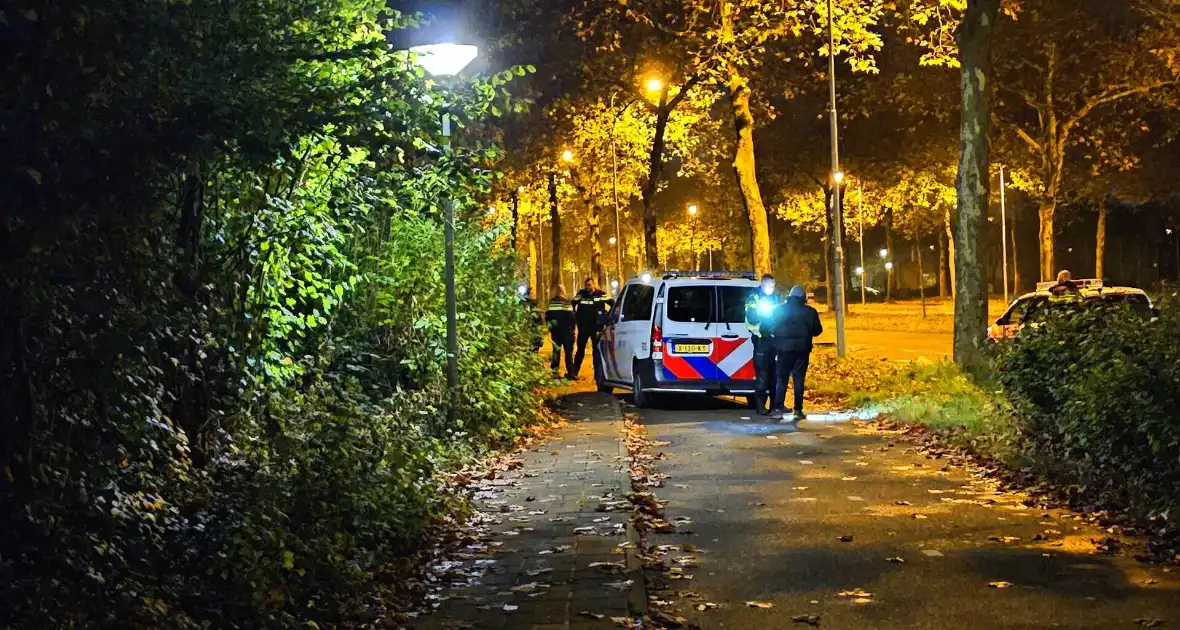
x,y
767,506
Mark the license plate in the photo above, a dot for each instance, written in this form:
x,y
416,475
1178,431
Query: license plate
x,y
692,348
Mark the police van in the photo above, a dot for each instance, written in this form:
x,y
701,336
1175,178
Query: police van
x,y
680,333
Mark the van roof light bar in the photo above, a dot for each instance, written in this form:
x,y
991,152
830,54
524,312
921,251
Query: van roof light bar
x,y
672,274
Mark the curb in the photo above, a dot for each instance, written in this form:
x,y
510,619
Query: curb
x,y
637,594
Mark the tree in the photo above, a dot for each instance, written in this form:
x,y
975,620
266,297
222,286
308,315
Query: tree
x,y
972,184
1074,65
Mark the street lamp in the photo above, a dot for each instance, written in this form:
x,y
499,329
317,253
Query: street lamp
x,y
655,85
613,240
884,252
447,60
692,241
860,271
837,176
567,156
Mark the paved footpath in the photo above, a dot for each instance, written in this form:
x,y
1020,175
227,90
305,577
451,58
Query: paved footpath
x,y
552,550
839,524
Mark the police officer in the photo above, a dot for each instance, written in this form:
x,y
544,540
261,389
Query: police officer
x,y
590,305
535,315
760,307
796,324
559,317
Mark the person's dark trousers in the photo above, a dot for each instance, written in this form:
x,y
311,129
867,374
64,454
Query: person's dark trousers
x,y
793,365
763,371
587,334
560,344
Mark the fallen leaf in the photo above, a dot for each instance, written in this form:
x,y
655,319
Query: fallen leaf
x,y
811,620
1000,584
1150,622
510,607
862,600
845,538
587,613
806,462
536,572
848,479
895,560
902,503
799,488
758,604
857,592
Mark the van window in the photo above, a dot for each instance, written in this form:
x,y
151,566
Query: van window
x,y
691,304
733,303
637,302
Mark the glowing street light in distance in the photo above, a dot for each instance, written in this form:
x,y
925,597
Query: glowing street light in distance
x,y
613,240
444,60
860,271
884,252
567,156
655,85
692,209
838,177
889,266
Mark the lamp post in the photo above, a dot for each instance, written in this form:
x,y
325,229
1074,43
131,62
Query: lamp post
x,y
447,60
837,177
692,240
884,253
860,215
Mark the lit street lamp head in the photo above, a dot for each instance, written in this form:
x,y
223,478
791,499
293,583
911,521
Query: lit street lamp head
x,y
567,156
692,209
613,240
838,177
444,60
889,266
655,85
860,271
884,252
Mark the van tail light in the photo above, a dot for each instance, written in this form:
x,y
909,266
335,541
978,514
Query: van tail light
x,y
657,338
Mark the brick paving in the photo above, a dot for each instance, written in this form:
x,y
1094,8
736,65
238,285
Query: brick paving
x,y
555,553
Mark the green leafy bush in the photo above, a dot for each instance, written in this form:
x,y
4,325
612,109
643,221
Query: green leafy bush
x,y
1095,392
221,329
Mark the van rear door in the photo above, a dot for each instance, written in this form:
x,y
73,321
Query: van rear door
x,y
701,342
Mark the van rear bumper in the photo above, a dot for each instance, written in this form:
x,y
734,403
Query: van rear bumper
x,y
701,386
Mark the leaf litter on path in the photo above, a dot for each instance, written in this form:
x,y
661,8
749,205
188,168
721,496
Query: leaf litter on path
x,y
759,604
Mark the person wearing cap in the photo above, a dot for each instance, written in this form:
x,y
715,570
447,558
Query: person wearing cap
x,y
795,325
759,309
559,317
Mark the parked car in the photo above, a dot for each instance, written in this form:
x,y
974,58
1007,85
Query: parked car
x,y
681,333
1031,307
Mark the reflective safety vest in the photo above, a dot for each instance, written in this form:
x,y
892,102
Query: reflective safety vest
x,y
760,307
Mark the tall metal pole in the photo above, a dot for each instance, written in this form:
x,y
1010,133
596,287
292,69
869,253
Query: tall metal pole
x,y
541,258
837,223
449,279
1004,233
860,214
614,186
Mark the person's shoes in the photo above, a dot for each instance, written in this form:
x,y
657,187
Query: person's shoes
x,y
799,415
775,414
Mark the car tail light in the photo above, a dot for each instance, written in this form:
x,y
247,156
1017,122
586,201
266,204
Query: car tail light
x,y
657,338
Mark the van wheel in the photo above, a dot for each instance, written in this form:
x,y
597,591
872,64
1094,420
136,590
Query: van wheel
x,y
599,374
639,398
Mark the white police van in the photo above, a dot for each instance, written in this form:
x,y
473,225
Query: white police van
x,y
681,333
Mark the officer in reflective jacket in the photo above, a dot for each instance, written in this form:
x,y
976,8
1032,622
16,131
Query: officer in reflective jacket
x,y
590,305
760,307
559,317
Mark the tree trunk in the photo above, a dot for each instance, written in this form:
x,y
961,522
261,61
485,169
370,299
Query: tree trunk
x,y
743,167
829,260
921,275
950,253
975,38
1100,241
655,166
534,274
943,282
1015,260
555,222
1047,212
515,218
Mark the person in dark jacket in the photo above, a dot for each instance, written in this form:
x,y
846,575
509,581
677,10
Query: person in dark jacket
x,y
590,304
760,307
796,324
559,317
